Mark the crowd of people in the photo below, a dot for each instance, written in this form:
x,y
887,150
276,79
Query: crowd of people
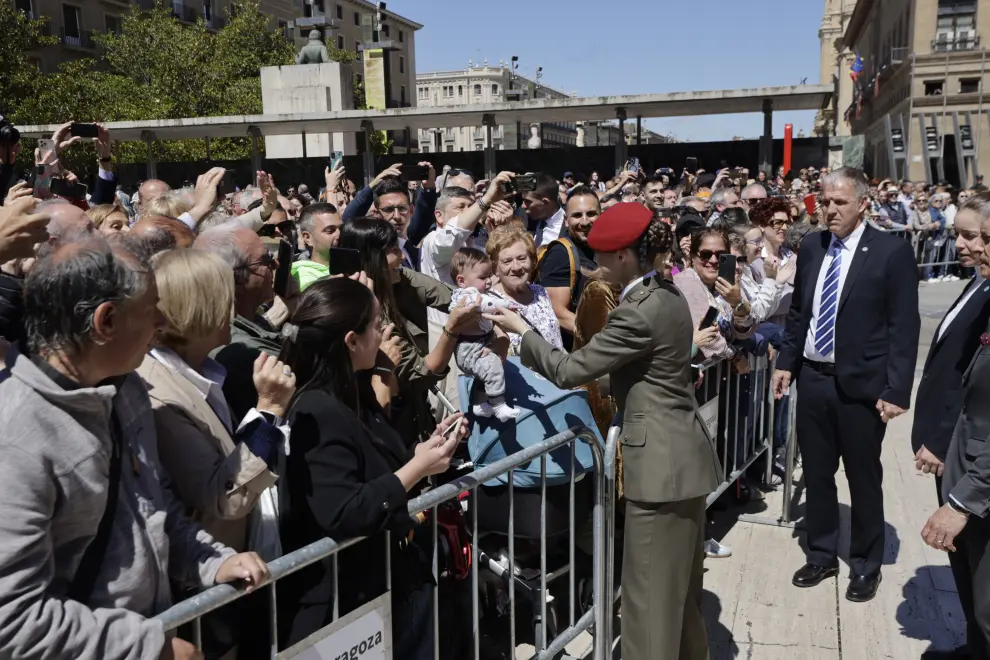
x,y
197,382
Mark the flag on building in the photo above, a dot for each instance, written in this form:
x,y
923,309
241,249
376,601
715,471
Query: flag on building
x,y
856,68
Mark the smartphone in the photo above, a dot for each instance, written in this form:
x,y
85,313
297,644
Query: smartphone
x,y
710,317
335,159
632,165
284,269
525,183
84,130
691,164
414,173
727,268
344,261
736,173
64,188
226,185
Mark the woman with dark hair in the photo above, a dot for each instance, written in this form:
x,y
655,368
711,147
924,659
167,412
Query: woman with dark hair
x,y
349,474
703,288
404,296
774,216
669,464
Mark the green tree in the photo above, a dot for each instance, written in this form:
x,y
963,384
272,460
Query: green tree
x,y
160,68
20,75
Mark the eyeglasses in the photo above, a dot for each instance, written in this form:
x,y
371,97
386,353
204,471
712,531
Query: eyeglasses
x,y
706,255
389,210
267,260
780,224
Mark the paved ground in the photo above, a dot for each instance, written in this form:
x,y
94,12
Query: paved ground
x,y
753,612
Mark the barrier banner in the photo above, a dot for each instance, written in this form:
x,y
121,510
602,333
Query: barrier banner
x,y
364,634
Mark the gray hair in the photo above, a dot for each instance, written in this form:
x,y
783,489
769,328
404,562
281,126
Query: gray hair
x,y
222,241
850,175
718,196
64,290
447,195
216,218
247,196
751,188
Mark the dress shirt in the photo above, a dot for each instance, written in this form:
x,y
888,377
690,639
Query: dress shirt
x,y
549,230
209,382
849,246
974,286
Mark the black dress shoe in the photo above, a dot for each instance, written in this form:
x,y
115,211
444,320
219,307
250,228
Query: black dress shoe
x,y
810,575
863,587
958,653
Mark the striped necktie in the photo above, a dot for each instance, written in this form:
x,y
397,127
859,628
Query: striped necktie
x,y
825,329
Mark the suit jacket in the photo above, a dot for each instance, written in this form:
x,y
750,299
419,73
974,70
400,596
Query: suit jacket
x,y
967,464
645,347
218,482
878,322
340,483
937,405
104,190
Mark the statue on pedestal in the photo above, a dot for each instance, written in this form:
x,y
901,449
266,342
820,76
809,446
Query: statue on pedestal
x,y
313,52
534,140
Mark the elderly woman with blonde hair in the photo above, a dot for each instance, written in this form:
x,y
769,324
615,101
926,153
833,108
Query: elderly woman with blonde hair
x,y
218,471
109,218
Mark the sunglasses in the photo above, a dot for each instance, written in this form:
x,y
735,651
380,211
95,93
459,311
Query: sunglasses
x,y
706,255
780,224
267,260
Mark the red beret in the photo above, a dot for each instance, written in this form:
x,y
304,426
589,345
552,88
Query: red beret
x,y
619,227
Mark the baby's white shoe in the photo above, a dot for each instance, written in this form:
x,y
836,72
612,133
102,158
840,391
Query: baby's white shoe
x,y
482,409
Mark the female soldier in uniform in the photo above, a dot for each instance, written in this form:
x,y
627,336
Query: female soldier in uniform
x,y
670,465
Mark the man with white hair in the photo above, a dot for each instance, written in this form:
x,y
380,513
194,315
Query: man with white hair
x,y
751,194
721,199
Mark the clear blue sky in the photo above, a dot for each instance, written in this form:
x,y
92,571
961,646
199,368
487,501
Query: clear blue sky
x,y
634,47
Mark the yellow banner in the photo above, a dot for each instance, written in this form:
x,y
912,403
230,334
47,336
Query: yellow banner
x,y
374,78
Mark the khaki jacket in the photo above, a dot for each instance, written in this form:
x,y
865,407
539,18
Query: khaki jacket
x,y
645,347
218,481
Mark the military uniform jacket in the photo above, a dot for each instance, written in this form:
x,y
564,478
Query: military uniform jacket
x,y
645,347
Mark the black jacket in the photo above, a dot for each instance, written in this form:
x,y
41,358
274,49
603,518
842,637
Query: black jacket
x,y
11,308
937,405
878,322
967,464
339,482
104,190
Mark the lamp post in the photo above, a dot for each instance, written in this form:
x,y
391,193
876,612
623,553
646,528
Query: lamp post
x,y
513,67
536,94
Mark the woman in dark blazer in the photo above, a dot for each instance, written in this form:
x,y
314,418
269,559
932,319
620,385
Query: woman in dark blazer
x,y
349,474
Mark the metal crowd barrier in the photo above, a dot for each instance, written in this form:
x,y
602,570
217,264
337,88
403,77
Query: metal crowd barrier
x,y
597,617
934,250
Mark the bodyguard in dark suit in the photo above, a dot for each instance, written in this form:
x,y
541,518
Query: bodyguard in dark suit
x,y
939,398
669,464
960,525
851,342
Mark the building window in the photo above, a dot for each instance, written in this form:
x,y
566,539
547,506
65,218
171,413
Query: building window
x,y
402,64
340,42
934,87
385,30
448,91
357,19
24,6
402,95
283,27
969,85
402,37
340,12
956,32
308,10
477,90
113,24
71,21
359,78
450,147
423,93
494,90
207,11
357,47
460,90
479,146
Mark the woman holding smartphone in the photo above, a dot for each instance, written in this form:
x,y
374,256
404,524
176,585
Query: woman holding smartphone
x,y
670,465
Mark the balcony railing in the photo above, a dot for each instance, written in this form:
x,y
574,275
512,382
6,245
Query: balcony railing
x,y
944,45
82,39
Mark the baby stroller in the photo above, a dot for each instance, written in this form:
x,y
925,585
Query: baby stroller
x,y
545,411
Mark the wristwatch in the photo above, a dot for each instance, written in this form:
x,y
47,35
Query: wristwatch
x,y
271,418
956,507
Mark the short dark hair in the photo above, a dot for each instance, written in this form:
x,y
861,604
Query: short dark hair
x,y
547,186
654,178
64,289
731,219
466,258
306,222
389,185
583,191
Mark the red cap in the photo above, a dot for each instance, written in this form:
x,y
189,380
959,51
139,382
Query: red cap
x,y
619,227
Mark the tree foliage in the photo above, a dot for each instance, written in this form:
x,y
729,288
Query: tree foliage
x,y
18,74
155,68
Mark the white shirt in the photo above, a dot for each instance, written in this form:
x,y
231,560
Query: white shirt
x,y
550,228
849,246
629,287
974,286
435,254
209,383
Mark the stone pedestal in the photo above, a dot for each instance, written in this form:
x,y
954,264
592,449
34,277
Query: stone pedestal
x,y
303,88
